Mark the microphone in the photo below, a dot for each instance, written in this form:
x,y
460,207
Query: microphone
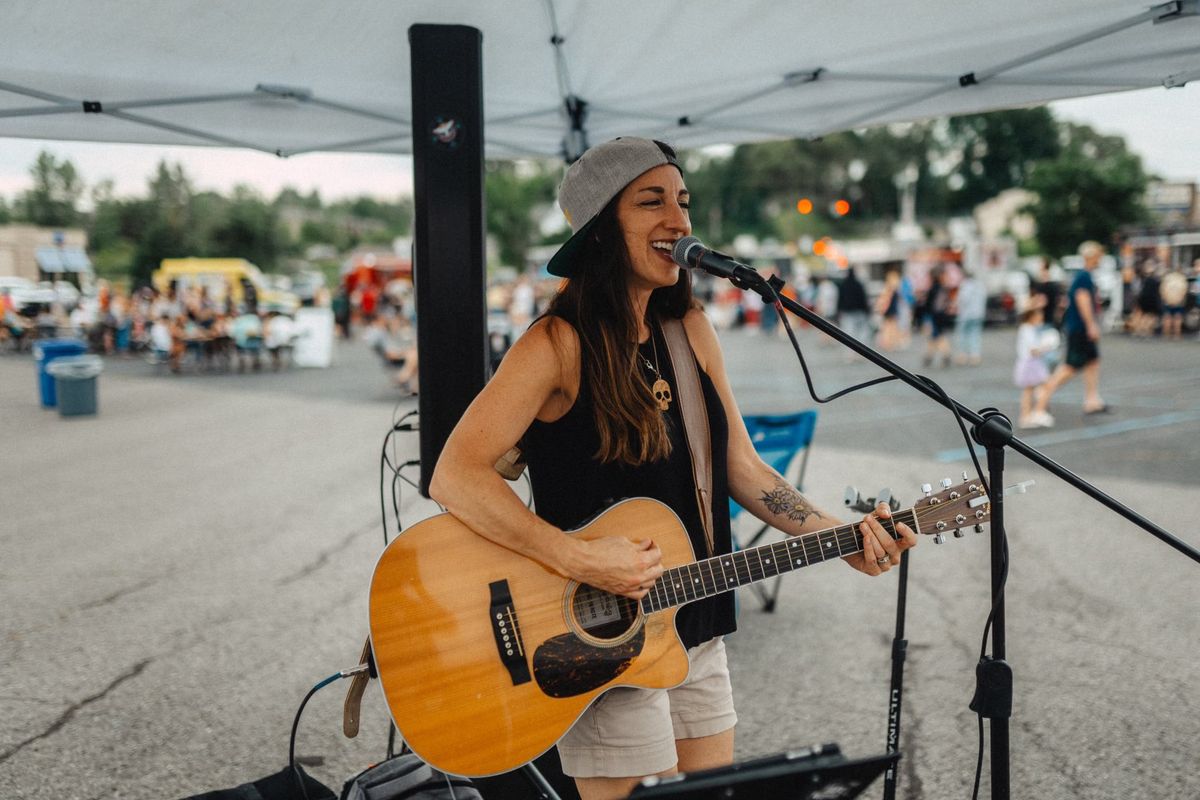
x,y
690,253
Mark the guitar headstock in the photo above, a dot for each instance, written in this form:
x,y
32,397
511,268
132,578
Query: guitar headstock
x,y
953,508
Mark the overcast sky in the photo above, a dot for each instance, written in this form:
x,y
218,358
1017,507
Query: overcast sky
x,y
1162,126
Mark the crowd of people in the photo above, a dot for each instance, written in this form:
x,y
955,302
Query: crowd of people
x,y
181,325
1156,298
188,326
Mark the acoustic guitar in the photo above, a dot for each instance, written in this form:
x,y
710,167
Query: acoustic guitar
x,y
486,658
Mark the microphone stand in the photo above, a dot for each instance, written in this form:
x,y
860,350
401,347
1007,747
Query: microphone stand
x,y
993,430
899,643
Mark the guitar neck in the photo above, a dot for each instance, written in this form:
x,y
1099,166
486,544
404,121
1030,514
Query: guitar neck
x,y
711,576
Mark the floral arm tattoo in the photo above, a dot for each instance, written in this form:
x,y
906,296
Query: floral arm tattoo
x,y
784,499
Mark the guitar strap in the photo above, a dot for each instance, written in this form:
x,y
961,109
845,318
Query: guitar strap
x,y
692,408
358,684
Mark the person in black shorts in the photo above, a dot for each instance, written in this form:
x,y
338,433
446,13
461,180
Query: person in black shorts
x,y
1081,326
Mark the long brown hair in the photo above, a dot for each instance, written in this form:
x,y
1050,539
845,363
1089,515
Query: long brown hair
x,y
595,300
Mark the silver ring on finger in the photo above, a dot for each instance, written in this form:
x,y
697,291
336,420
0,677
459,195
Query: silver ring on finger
x,y
886,559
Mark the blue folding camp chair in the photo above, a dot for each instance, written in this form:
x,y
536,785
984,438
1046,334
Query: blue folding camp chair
x,y
778,440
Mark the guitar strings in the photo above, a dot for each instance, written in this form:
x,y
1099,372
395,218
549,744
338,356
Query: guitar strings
x,y
664,589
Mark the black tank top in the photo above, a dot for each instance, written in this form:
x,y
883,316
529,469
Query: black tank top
x,y
570,485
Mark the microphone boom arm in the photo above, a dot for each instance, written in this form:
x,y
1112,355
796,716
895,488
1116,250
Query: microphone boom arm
x,y
749,279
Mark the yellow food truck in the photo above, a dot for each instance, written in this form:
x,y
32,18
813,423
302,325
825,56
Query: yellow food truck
x,y
223,276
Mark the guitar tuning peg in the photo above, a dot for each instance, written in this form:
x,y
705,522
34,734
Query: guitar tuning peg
x,y
965,478
927,489
947,483
958,533
939,539
979,529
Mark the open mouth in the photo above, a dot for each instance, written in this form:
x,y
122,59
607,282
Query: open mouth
x,y
663,250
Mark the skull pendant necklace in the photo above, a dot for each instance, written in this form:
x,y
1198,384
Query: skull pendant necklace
x,y
661,389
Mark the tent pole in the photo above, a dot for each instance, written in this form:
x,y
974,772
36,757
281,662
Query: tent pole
x,y
167,126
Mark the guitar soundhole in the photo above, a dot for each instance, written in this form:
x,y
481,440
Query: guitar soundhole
x,y
601,615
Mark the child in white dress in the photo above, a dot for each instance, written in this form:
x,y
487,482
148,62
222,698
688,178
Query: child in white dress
x,y
1030,371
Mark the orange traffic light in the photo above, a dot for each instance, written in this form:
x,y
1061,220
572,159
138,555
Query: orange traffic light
x,y
841,208
805,206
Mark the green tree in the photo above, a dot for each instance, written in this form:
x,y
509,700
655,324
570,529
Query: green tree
x,y
998,151
756,188
290,197
105,228
249,228
55,193
514,192
166,222
112,232
370,220
5,212
322,231
1093,188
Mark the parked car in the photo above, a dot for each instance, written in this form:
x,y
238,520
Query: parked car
x,y
1007,294
64,292
25,294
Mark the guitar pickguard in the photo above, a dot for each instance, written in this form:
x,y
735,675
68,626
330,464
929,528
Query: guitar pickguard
x,y
566,666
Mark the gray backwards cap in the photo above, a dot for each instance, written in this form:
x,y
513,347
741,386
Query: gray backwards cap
x,y
593,181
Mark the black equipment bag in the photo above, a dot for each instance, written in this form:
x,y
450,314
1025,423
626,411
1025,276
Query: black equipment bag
x,y
280,786
407,777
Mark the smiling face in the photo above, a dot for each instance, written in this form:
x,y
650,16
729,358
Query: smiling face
x,y
653,215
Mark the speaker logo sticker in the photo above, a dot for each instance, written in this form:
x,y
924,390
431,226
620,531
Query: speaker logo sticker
x,y
447,132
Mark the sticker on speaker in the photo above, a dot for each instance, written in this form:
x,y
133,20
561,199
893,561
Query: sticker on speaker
x,y
446,132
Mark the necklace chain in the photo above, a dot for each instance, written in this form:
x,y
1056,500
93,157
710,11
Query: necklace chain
x,y
661,389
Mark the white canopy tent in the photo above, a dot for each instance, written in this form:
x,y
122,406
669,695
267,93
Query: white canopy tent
x,y
306,75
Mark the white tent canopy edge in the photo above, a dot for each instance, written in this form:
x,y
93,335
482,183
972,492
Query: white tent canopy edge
x,y
309,76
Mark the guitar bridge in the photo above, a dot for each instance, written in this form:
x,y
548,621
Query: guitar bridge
x,y
507,633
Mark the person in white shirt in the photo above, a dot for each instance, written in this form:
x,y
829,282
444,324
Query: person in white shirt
x,y
280,334
972,307
160,338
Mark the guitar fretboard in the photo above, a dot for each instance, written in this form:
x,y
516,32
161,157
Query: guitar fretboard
x,y
724,573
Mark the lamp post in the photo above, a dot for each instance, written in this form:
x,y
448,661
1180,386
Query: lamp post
x,y
906,229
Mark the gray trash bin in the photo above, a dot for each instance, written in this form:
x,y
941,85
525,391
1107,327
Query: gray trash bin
x,y
75,383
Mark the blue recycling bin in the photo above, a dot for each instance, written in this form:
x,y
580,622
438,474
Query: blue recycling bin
x,y
44,352
75,384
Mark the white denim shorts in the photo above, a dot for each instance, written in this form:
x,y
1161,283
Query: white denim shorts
x,y
630,732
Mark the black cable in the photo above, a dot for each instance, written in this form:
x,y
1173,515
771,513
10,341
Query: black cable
x,y
775,301
296,724
397,469
400,425
978,761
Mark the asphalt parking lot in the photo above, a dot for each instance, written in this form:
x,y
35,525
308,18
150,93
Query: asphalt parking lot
x,y
177,571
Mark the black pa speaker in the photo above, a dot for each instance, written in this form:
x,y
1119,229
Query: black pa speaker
x,y
449,269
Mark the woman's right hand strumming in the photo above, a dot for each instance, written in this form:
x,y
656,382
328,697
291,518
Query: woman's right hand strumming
x,y
616,564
